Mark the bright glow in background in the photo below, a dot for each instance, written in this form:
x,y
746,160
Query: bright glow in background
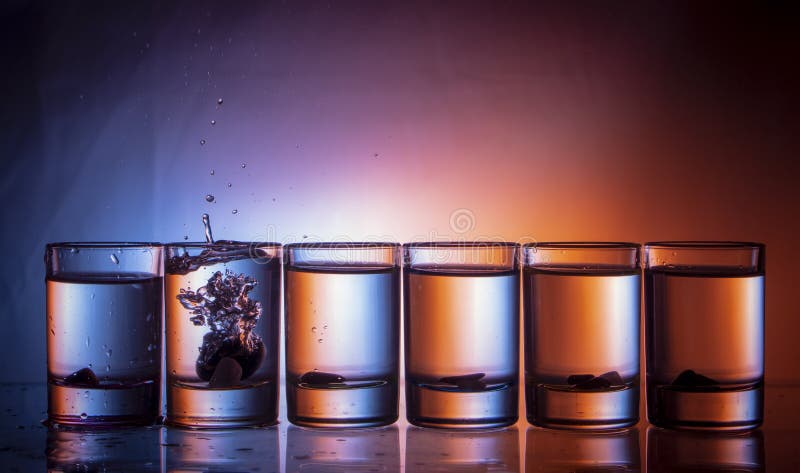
x,y
377,121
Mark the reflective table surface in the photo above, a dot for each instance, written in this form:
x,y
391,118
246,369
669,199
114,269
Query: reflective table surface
x,y
27,445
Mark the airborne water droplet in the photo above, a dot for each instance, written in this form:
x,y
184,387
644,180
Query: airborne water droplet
x,y
209,198
114,259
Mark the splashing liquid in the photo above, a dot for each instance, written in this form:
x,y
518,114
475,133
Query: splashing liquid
x,y
207,228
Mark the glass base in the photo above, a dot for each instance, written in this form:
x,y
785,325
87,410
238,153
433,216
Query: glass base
x,y
717,409
372,405
431,407
563,408
207,408
126,405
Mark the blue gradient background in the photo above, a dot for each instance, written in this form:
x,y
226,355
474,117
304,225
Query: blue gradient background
x,y
371,120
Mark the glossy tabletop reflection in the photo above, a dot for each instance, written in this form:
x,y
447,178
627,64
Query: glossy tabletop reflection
x,y
27,445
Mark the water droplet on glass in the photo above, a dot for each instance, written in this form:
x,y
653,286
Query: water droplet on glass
x,y
151,347
84,416
174,372
212,172
209,198
229,184
274,199
244,165
202,142
207,227
313,329
108,368
186,237
219,101
52,332
87,342
92,296
108,353
114,259
305,236
319,341
325,327
234,211
213,122
375,155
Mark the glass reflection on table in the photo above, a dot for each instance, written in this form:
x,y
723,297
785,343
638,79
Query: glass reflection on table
x,y
103,450
342,450
684,451
220,450
432,450
555,451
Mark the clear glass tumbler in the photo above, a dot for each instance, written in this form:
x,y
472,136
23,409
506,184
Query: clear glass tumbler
x,y
461,334
104,311
342,333
222,333
582,307
705,334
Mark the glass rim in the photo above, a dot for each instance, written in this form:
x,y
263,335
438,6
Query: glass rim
x,y
104,244
584,245
705,245
341,245
459,244
223,244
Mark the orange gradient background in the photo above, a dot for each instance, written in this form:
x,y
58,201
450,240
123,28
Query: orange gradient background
x,y
379,121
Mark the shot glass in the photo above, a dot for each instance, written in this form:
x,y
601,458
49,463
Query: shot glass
x,y
581,303
705,334
222,333
461,334
104,311
342,334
